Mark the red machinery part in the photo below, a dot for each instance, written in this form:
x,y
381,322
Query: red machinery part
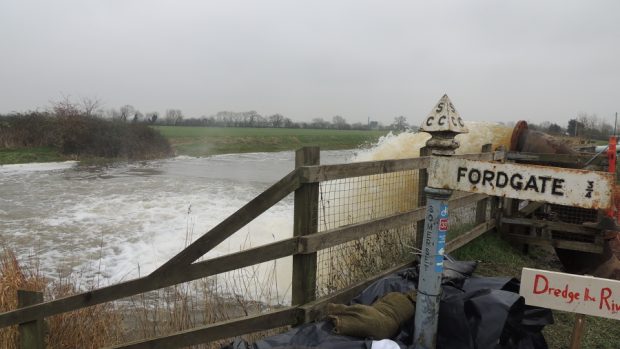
x,y
611,159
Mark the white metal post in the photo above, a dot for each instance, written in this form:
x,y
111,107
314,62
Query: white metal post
x,y
431,267
443,123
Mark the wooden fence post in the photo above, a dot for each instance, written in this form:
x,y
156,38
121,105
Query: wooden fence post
x,y
422,181
306,214
495,211
31,333
481,206
575,338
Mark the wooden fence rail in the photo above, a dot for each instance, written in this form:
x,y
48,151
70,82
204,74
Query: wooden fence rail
x,y
303,181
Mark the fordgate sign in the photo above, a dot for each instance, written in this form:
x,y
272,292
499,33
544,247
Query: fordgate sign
x,y
574,293
587,189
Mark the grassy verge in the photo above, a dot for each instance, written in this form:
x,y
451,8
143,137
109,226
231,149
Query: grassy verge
x,y
497,257
25,155
204,141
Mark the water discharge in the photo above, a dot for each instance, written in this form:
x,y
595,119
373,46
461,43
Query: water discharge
x,y
120,222
408,144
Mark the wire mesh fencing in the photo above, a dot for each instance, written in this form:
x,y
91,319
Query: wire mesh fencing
x,y
358,199
361,199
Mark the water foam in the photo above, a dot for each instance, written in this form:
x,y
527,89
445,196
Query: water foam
x,y
16,169
407,144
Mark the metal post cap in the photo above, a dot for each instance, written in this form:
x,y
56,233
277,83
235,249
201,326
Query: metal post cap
x,y
444,118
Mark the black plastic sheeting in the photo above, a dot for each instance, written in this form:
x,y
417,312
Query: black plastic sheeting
x,y
475,313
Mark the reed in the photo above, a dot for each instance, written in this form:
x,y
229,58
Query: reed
x,y
176,308
86,328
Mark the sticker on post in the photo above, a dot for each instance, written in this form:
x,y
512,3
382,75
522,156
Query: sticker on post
x,y
443,224
441,237
443,211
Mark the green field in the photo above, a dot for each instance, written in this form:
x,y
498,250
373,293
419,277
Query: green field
x,y
203,141
25,155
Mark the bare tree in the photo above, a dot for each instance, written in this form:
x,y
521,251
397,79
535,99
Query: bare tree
x,y
276,120
65,107
137,117
251,118
339,122
173,116
91,106
288,123
319,123
152,117
400,123
127,111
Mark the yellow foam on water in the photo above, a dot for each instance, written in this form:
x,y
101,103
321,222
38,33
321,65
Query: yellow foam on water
x,y
408,144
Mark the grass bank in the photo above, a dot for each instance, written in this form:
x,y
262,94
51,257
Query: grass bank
x,y
497,257
204,141
34,154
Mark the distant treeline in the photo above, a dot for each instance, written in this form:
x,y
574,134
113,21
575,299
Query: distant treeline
x,y
76,133
584,125
254,119
175,117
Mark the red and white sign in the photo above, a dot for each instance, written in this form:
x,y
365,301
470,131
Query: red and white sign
x,y
574,293
443,224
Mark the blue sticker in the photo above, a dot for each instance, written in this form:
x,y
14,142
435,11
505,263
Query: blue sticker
x,y
443,210
441,239
441,246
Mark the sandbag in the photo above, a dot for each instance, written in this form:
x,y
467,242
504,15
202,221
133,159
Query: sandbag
x,y
380,320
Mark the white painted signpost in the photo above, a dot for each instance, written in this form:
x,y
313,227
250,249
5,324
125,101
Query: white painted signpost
x,y
587,189
579,188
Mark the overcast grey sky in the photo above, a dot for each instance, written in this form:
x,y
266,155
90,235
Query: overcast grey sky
x,y
497,60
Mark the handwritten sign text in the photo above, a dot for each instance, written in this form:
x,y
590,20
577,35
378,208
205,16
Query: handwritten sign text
x,y
573,293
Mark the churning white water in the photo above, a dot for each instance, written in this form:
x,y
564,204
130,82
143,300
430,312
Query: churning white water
x,y
121,222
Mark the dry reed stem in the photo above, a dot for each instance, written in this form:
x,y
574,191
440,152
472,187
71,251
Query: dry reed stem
x,y
91,327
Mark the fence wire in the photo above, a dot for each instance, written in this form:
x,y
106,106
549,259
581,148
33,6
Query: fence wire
x,y
463,217
359,199
574,215
570,214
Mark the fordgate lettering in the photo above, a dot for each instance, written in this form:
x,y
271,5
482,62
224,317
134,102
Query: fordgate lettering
x,y
516,181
